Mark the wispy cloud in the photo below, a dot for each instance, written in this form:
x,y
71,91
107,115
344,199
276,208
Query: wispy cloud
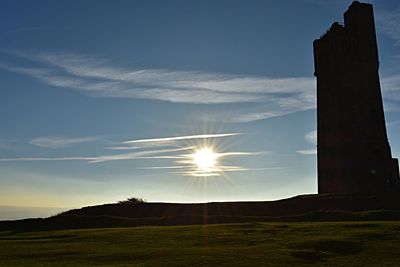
x,y
391,87
307,152
310,137
182,157
7,144
179,138
153,154
149,143
48,159
271,112
96,77
162,167
239,153
149,154
224,169
388,22
393,123
173,148
273,97
123,147
60,142
390,92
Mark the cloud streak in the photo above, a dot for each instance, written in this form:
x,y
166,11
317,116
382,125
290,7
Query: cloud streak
x,y
179,138
388,22
96,77
181,156
48,159
273,97
61,142
168,148
310,137
148,154
391,87
307,152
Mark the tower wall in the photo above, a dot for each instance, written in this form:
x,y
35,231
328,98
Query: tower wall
x,y
353,150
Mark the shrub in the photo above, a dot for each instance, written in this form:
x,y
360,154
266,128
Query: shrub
x,y
133,201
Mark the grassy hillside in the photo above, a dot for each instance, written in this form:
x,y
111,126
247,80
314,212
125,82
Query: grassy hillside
x,y
301,208
248,244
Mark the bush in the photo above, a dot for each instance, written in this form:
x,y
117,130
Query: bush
x,y
133,200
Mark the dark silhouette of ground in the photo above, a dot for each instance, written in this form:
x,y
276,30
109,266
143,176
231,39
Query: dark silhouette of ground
x,y
340,207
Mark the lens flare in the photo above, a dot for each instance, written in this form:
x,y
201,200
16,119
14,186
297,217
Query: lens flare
x,y
205,159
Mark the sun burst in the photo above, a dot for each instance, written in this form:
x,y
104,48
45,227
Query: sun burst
x,y
205,159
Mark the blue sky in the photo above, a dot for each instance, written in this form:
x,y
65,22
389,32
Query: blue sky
x,y
80,79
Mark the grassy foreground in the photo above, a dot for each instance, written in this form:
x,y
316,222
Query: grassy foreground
x,y
249,244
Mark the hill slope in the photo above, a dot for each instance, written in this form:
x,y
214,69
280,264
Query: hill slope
x,y
299,208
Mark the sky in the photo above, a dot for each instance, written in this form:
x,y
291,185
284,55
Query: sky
x,y
105,100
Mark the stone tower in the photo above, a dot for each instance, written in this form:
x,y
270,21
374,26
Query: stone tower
x,y
353,150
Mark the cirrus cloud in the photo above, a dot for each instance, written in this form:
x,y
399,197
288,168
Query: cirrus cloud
x,y
60,142
96,77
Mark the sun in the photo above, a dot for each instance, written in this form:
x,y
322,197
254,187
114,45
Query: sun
x,y
205,159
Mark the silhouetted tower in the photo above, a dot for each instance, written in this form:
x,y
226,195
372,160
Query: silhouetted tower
x,y
353,150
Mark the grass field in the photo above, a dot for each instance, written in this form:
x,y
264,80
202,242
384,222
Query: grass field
x,y
250,244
